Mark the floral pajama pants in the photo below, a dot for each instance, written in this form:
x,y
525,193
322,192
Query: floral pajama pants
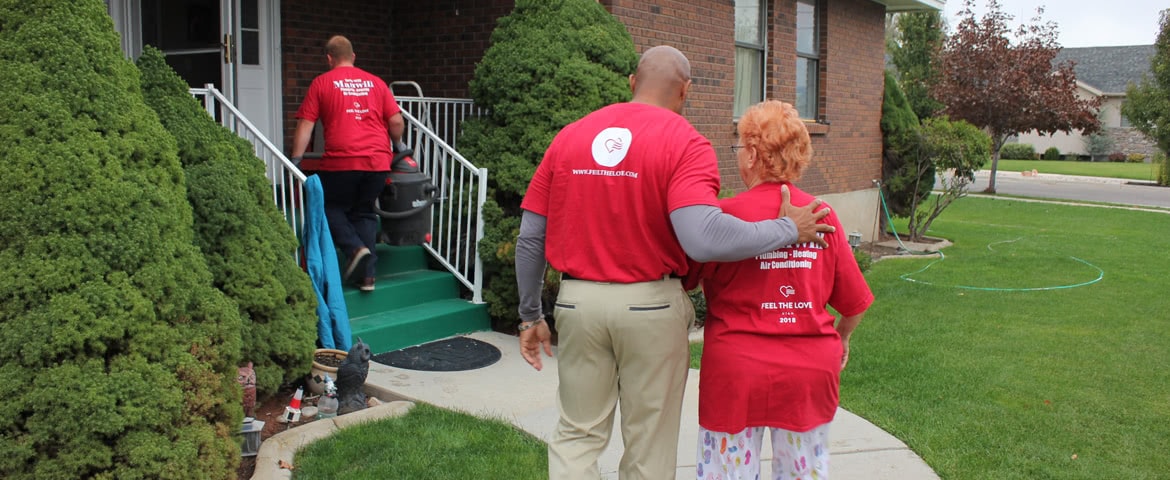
x,y
736,456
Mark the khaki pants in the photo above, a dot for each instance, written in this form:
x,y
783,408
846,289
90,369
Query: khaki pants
x,y
627,343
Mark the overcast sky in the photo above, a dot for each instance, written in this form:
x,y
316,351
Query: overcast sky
x,y
1082,23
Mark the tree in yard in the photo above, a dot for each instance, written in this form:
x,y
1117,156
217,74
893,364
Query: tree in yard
x,y
1147,106
118,355
913,155
1099,144
550,63
919,39
1007,87
956,149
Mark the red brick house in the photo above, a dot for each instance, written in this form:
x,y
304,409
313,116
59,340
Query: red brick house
x,y
825,56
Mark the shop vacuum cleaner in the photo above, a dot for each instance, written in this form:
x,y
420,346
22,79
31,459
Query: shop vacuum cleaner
x,y
405,203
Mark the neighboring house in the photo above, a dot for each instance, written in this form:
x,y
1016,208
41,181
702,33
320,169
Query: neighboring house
x,y
1104,73
826,57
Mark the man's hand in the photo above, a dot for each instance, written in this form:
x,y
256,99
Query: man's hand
x,y
530,342
805,218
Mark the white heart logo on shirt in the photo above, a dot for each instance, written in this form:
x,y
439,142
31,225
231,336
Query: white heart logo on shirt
x,y
611,145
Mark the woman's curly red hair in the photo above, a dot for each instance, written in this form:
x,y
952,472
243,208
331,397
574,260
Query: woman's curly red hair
x,y
780,139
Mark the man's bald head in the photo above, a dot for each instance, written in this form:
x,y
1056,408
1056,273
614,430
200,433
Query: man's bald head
x,y
339,50
662,78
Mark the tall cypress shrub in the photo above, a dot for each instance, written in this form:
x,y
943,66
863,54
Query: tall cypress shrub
x,y
906,176
550,63
247,242
118,356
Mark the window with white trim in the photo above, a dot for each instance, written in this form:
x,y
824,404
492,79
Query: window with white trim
x,y
749,53
808,58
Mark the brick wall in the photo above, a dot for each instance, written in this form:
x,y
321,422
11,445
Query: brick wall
x,y
849,155
438,44
306,25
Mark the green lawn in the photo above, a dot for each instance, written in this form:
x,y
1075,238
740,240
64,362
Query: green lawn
x,y
428,442
995,381
1132,171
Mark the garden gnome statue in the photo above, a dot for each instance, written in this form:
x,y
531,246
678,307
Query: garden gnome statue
x,y
351,377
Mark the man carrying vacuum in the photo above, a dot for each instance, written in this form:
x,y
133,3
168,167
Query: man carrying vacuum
x,y
361,121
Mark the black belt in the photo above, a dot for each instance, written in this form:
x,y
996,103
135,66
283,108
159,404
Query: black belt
x,y
565,276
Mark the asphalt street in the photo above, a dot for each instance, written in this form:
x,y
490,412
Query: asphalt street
x,y
1073,188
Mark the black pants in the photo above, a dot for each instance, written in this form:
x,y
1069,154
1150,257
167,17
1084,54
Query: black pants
x,y
349,208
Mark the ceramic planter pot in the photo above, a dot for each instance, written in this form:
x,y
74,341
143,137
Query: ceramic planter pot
x,y
325,360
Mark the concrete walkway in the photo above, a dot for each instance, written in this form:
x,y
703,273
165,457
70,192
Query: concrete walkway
x,y
513,391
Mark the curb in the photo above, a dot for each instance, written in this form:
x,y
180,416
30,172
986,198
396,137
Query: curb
x,y
284,445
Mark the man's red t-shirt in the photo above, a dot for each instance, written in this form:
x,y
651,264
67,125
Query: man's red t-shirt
x,y
354,107
607,185
771,356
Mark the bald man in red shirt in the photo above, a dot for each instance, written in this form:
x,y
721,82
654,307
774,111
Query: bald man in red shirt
x,y
621,199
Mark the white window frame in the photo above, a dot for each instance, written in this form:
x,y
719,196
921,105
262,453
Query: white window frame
x,y
810,60
754,93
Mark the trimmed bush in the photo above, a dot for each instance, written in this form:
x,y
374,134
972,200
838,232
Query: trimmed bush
x,y
549,64
1052,153
1018,151
119,357
1117,157
247,242
1135,158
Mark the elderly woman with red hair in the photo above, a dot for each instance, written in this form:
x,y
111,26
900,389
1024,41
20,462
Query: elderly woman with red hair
x,y
772,353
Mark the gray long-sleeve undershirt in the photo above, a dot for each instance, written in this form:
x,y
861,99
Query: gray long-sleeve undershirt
x,y
704,231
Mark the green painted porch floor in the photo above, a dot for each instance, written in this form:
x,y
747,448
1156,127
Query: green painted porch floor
x,y
411,304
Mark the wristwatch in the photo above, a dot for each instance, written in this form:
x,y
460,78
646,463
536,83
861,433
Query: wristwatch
x,y
529,324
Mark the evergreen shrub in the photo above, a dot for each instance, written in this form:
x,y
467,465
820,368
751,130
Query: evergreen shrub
x,y
905,174
550,63
1052,153
1163,168
118,355
248,244
1135,158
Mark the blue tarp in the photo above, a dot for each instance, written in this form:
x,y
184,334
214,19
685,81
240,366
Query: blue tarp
x,y
321,261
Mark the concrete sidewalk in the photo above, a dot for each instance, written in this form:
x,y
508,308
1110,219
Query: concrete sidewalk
x,y
513,391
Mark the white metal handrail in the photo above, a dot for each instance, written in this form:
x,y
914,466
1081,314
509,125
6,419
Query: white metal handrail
x,y
443,116
457,222
286,179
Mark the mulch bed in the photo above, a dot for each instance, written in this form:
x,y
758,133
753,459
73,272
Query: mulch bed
x,y
268,412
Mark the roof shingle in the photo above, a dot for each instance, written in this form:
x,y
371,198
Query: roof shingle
x,y
1109,69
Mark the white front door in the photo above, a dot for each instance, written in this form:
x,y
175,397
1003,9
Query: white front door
x,y
256,64
232,44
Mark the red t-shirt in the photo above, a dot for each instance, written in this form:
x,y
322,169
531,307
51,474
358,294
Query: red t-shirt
x,y
354,107
607,185
771,356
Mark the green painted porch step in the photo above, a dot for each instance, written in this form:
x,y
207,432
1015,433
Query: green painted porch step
x,y
399,290
414,325
411,304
